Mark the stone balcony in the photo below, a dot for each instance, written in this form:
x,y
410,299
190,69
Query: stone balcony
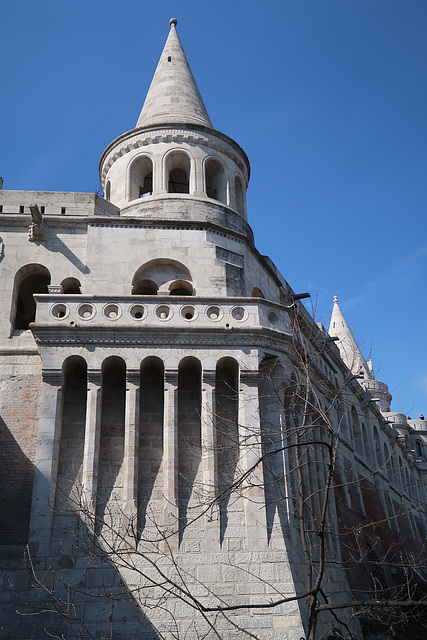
x,y
154,312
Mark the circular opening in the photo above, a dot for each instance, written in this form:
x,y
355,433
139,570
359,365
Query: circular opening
x,y
112,311
59,311
163,312
214,313
188,312
86,311
238,313
273,318
137,311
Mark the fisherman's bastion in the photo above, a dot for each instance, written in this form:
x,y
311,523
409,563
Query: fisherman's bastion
x,y
185,453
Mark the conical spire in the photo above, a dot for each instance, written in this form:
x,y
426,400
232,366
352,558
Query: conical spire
x,y
347,345
173,96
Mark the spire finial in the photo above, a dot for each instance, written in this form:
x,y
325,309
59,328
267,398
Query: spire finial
x,y
335,298
173,22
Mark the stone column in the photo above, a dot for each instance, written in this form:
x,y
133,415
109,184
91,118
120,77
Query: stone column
x,y
209,455
250,454
46,462
160,180
170,454
197,177
130,505
91,446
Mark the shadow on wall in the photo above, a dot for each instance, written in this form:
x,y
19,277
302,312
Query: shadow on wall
x,y
16,484
81,585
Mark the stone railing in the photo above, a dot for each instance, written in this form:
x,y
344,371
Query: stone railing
x,y
155,311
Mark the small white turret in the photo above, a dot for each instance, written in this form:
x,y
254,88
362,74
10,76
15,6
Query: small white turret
x,y
174,152
353,358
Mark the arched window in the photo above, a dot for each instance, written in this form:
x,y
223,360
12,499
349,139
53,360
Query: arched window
x,y
387,462
162,276
151,407
227,434
239,194
216,181
31,279
112,441
418,449
70,465
181,288
257,293
71,286
145,288
140,178
378,452
357,433
108,190
178,173
189,438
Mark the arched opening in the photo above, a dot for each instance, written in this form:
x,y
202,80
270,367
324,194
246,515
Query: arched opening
x,y
387,462
141,178
216,181
366,447
111,447
144,288
162,276
108,191
239,194
71,286
189,438
31,279
70,463
257,293
357,433
378,452
178,172
342,421
150,489
181,288
418,449
227,433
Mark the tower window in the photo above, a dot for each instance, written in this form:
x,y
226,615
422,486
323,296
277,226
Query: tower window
x,y
146,189
63,210
169,58
216,182
140,178
178,172
21,209
178,181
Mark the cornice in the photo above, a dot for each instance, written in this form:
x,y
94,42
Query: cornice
x,y
194,134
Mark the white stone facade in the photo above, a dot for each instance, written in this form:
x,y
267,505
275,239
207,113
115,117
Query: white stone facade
x,y
155,323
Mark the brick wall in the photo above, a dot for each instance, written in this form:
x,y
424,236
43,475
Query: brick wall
x,y
19,410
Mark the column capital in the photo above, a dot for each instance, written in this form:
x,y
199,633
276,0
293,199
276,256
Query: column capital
x,y
133,376
171,376
94,376
209,376
52,376
247,375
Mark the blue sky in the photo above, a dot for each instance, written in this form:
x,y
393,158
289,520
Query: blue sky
x,y
327,97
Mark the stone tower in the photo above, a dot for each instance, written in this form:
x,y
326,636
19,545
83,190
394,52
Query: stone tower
x,y
149,360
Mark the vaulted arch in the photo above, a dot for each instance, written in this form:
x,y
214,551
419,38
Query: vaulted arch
x,y
30,279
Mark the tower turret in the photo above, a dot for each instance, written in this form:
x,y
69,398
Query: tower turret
x,y
353,358
174,152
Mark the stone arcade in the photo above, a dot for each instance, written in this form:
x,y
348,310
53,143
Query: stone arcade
x,y
146,353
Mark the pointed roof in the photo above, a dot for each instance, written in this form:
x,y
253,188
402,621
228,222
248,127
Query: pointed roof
x,y
349,349
173,96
